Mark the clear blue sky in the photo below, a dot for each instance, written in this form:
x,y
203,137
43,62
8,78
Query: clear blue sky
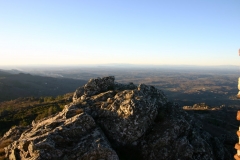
x,y
191,32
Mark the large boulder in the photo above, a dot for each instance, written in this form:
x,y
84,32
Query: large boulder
x,y
94,86
57,138
129,114
124,115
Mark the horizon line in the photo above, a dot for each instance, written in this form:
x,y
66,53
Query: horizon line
x,y
102,64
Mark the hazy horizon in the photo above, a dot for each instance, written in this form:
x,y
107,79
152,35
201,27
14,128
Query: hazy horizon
x,y
115,66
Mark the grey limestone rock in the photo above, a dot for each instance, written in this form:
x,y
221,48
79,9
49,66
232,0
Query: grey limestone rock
x,y
57,138
14,133
124,115
179,136
130,113
95,86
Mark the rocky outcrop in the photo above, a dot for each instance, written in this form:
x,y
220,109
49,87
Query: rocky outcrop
x,y
180,136
133,112
14,133
108,120
59,137
197,106
94,86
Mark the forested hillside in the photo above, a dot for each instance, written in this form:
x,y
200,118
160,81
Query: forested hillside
x,y
23,111
14,86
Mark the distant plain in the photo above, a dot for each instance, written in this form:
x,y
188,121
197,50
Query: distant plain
x,y
214,85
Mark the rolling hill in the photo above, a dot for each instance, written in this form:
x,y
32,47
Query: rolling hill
x,y
18,85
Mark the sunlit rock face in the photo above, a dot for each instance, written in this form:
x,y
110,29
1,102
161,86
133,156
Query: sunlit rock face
x,y
59,137
94,86
238,95
112,121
